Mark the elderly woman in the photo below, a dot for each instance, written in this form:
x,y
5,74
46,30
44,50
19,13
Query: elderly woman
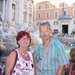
x,y
24,64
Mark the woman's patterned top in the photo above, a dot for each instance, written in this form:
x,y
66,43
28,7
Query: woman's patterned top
x,y
23,67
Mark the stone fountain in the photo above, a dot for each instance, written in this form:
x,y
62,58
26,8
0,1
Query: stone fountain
x,y
7,38
8,34
8,41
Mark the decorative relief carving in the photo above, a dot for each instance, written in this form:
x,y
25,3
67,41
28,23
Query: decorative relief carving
x,y
13,12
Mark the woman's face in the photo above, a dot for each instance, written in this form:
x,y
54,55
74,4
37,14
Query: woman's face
x,y
24,42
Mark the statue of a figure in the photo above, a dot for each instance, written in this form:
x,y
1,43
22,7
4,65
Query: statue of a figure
x,y
5,26
13,13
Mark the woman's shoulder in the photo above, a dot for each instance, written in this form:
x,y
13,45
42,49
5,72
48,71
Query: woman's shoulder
x,y
11,56
12,53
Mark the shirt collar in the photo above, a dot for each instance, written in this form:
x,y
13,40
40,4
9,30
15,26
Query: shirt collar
x,y
51,43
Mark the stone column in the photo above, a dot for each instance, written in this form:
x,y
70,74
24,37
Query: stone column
x,y
3,11
32,15
27,12
22,4
35,13
8,10
18,13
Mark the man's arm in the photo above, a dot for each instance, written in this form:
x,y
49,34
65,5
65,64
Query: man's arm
x,y
62,58
61,70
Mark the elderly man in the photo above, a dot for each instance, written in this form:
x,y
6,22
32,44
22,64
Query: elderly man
x,y
50,56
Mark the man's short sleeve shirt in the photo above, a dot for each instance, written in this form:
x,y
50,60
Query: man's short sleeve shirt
x,y
49,63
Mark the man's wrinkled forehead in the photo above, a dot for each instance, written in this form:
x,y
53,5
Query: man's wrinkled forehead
x,y
45,25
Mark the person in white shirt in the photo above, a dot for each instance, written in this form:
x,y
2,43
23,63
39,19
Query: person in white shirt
x,y
2,66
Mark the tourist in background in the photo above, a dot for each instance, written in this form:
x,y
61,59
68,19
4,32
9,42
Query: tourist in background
x,y
25,64
70,67
2,66
49,61
74,44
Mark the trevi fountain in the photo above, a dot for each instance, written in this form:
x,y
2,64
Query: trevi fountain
x,y
11,22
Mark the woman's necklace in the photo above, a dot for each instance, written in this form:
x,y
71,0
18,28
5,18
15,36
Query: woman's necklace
x,y
23,53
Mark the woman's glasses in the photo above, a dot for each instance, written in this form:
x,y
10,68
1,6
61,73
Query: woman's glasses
x,y
24,39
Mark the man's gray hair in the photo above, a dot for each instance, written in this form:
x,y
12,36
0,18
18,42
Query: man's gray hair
x,y
45,23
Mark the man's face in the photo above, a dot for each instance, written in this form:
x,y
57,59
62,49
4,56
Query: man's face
x,y
45,32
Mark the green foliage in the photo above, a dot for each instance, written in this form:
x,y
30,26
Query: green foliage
x,y
54,33
73,32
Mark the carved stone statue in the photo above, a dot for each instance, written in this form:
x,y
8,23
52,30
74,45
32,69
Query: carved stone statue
x,y
25,27
5,26
13,13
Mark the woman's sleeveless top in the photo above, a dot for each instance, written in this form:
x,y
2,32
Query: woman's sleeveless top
x,y
23,67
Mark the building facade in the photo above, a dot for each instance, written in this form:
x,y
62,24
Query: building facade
x,y
15,15
16,12
60,14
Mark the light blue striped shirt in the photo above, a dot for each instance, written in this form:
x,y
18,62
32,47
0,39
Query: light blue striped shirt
x,y
49,63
